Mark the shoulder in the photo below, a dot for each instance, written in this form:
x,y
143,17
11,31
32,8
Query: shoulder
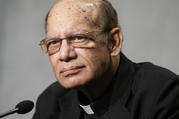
x,y
154,89
54,90
153,77
48,101
51,93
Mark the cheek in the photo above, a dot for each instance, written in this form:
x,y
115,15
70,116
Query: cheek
x,y
95,60
54,62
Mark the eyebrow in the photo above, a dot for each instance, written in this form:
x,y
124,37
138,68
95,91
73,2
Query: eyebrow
x,y
70,34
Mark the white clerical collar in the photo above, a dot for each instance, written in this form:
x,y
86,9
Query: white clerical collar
x,y
87,109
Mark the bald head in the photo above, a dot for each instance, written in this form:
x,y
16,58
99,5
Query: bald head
x,y
98,13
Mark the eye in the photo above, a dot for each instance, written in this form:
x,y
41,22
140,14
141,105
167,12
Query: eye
x,y
52,43
78,38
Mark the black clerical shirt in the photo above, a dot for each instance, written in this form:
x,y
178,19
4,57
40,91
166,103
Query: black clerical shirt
x,y
138,91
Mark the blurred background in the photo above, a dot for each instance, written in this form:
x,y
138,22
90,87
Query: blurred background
x,y
151,32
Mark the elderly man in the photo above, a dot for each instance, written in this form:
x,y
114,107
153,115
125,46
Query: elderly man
x,y
95,79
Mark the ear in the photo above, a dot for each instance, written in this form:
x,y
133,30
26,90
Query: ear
x,y
116,41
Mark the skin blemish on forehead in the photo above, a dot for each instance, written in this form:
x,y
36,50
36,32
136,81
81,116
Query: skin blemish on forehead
x,y
83,10
88,11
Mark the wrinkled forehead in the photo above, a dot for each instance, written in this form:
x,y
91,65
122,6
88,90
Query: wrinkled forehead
x,y
88,10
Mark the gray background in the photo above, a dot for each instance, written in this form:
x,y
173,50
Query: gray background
x,y
151,32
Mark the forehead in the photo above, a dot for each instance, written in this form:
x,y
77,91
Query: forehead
x,y
73,14
76,5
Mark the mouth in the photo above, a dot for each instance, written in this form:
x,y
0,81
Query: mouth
x,y
71,70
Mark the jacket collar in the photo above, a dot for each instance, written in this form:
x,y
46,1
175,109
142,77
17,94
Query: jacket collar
x,y
119,90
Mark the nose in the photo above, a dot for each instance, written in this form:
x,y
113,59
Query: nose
x,y
67,52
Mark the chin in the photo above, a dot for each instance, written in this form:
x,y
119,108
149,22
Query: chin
x,y
73,82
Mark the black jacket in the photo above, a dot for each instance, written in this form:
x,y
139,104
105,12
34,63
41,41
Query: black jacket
x,y
138,91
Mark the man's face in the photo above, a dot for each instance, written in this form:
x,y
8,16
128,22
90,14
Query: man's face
x,y
76,66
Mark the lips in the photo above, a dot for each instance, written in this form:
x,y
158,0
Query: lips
x,y
71,70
